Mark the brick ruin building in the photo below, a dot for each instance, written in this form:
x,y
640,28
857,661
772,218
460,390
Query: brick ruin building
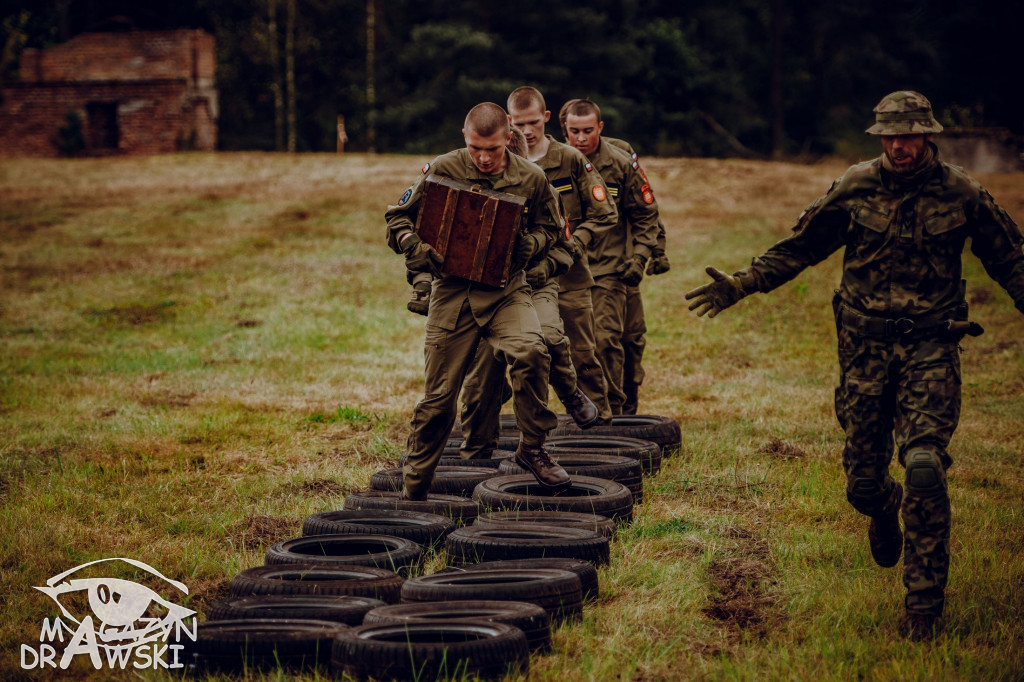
x,y
134,92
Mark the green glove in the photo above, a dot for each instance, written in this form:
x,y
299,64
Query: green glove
x,y
632,271
421,257
716,296
658,264
539,274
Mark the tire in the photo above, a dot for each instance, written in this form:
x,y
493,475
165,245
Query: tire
x,y
473,544
428,651
461,510
453,459
585,494
424,529
530,618
506,441
383,551
235,645
346,610
664,431
625,470
318,579
584,570
458,480
557,591
648,453
600,524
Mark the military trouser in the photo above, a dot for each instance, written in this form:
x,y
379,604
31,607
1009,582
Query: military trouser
x,y
903,393
576,308
514,338
633,344
486,379
609,294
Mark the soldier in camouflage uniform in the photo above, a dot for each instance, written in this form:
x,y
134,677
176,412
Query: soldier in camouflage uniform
x,y
903,220
463,314
618,260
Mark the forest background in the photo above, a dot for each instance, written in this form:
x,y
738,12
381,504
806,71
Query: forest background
x,y
776,79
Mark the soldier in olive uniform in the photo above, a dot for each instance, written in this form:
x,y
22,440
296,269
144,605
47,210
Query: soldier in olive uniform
x,y
903,220
618,259
463,314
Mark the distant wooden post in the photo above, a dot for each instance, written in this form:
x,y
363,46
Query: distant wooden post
x,y
342,135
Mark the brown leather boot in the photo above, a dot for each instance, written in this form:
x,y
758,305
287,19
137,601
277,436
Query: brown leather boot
x,y
582,409
534,458
884,534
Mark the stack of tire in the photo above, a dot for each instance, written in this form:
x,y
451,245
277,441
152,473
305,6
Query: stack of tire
x,y
349,593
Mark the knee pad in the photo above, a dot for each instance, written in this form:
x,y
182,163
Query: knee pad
x,y
865,494
926,474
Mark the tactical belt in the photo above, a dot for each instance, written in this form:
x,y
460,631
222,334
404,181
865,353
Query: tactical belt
x,y
888,329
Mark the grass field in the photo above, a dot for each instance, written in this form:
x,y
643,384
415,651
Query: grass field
x,y
200,350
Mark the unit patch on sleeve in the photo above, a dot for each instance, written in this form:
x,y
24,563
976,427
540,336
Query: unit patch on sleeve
x,y
648,194
426,168
589,166
405,197
598,192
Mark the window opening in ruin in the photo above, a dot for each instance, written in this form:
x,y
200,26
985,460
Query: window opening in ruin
x,y
103,129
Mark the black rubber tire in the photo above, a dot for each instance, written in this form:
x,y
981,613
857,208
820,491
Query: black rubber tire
x,y
557,591
383,551
530,618
347,610
458,480
594,522
318,579
428,651
625,470
648,453
424,529
452,459
585,494
473,544
507,443
235,645
664,431
584,570
461,510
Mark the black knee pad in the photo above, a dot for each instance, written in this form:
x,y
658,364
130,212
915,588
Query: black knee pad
x,y
926,474
865,494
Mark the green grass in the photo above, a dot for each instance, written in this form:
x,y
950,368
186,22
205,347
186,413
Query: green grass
x,y
200,350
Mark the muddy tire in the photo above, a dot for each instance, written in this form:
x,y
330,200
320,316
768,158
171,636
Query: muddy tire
x,y
461,510
584,570
346,610
625,470
458,480
664,431
557,591
473,544
530,618
318,579
235,645
383,551
517,518
584,495
424,529
648,453
428,651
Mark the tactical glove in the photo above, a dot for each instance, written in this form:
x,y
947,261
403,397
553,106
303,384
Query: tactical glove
x,y
658,264
539,274
716,296
632,271
526,248
421,257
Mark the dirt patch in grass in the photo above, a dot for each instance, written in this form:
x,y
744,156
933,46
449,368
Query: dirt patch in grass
x,y
320,487
260,530
205,591
742,598
777,448
134,314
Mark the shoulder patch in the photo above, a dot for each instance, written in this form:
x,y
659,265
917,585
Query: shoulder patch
x,y
598,192
634,156
613,190
647,194
589,166
426,168
405,197
562,185
636,164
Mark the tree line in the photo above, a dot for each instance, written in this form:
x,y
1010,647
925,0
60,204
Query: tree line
x,y
755,78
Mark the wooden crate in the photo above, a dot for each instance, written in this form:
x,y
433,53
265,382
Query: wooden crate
x,y
474,228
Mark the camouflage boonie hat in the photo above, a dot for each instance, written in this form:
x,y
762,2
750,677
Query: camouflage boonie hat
x,y
904,112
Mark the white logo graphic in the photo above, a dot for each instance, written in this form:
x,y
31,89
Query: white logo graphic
x,y
124,633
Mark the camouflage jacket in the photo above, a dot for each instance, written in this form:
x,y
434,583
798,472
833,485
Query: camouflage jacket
x,y
589,211
903,242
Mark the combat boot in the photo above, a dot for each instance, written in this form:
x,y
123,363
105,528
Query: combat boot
x,y
884,534
919,627
407,496
582,409
534,458
419,301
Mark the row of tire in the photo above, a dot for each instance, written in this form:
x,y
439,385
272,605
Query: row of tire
x,y
349,592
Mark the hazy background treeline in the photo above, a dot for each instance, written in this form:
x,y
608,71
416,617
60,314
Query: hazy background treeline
x,y
758,78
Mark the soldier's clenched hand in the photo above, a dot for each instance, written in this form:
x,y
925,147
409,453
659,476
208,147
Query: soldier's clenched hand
x,y
658,264
632,271
539,274
421,257
716,296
